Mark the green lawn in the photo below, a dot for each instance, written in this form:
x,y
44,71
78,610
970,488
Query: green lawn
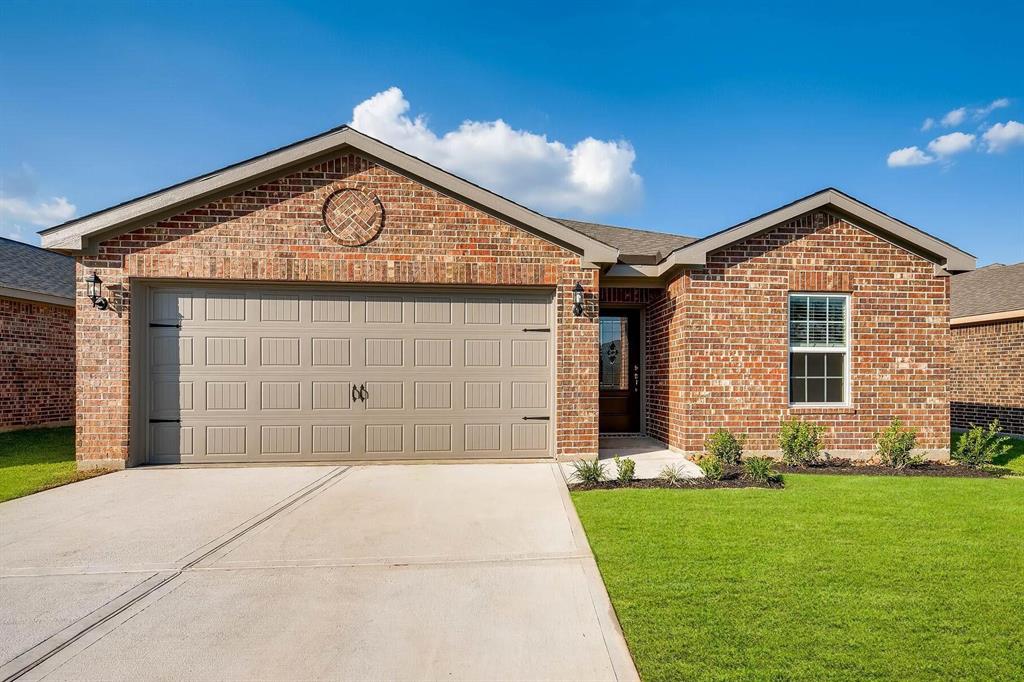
x,y
35,460
834,577
1014,459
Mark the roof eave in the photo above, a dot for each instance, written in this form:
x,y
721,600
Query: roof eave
x,y
75,236
945,255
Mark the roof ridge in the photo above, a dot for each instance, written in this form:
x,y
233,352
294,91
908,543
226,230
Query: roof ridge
x,y
623,227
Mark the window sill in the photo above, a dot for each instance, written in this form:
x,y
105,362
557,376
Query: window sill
x,y
822,409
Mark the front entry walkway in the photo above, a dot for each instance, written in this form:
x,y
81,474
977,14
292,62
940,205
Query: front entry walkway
x,y
477,571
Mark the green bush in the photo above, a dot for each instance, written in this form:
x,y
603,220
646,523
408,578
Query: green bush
x,y
624,469
760,470
725,446
673,474
588,471
894,444
978,447
801,442
712,467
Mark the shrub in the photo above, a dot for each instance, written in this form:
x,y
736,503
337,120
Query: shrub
x,y
894,444
725,446
712,467
978,447
673,474
588,471
801,442
624,469
760,470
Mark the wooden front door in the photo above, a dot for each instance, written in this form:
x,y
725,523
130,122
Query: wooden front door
x,y
619,402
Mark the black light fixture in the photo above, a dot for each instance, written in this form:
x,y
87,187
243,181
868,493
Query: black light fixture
x,y
577,299
94,282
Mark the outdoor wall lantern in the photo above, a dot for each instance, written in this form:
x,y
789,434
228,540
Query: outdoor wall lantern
x,y
94,283
577,299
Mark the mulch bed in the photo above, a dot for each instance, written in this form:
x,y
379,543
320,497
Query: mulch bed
x,y
731,479
839,466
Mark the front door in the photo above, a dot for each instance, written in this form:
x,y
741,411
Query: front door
x,y
620,371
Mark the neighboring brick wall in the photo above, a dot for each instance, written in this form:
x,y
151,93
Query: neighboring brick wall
x,y
37,364
717,339
986,377
275,232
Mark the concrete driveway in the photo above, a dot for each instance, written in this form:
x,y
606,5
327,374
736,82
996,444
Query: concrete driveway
x,y
477,571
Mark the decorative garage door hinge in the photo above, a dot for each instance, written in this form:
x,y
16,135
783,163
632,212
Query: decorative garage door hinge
x,y
176,325
541,419
537,329
164,421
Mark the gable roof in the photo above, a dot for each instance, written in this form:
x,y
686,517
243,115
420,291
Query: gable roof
x,y
989,290
76,235
35,274
942,253
631,241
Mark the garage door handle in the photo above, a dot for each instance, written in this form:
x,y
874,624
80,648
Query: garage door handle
x,y
363,393
355,393
536,418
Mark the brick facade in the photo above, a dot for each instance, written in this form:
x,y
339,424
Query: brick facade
x,y
37,364
717,339
275,232
985,379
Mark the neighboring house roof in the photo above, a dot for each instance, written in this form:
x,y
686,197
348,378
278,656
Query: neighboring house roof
x,y
631,241
993,292
35,274
630,253
76,234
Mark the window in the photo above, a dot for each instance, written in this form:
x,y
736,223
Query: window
x,y
819,353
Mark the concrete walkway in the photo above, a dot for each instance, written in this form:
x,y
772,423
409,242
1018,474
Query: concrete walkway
x,y
476,571
650,455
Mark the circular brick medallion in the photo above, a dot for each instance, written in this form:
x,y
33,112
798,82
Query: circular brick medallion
x,y
353,216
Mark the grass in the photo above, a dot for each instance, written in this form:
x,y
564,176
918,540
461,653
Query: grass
x,y
1013,460
38,459
835,577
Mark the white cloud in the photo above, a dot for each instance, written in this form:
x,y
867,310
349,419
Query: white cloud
x,y
909,156
1002,136
19,206
592,176
928,124
1000,103
953,143
955,117
41,214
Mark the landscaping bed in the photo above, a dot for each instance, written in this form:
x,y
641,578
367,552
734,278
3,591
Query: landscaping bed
x,y
842,466
732,478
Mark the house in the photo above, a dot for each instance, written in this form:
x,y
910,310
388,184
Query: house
x,y
987,328
37,337
338,299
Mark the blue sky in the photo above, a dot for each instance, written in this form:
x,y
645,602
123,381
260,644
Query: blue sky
x,y
700,116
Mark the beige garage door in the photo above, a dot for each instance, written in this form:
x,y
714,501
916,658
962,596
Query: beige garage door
x,y
254,374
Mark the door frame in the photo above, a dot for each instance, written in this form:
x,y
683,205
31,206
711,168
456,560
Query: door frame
x,y
140,289
642,317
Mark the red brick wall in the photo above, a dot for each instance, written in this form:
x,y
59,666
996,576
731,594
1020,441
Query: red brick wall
x,y
717,339
986,376
37,364
274,233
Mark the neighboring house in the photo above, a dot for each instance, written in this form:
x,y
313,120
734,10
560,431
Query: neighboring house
x,y
338,299
37,337
987,372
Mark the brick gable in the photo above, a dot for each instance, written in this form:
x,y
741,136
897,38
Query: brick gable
x,y
275,232
717,339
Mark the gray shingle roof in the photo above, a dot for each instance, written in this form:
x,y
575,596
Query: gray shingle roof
x,y
29,268
992,289
630,241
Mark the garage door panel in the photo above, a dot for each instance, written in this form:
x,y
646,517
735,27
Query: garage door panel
x,y
268,374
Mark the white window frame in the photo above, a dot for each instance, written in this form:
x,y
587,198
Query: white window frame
x,y
845,349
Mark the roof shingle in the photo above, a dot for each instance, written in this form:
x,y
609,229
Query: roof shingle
x,y
29,268
628,240
994,288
